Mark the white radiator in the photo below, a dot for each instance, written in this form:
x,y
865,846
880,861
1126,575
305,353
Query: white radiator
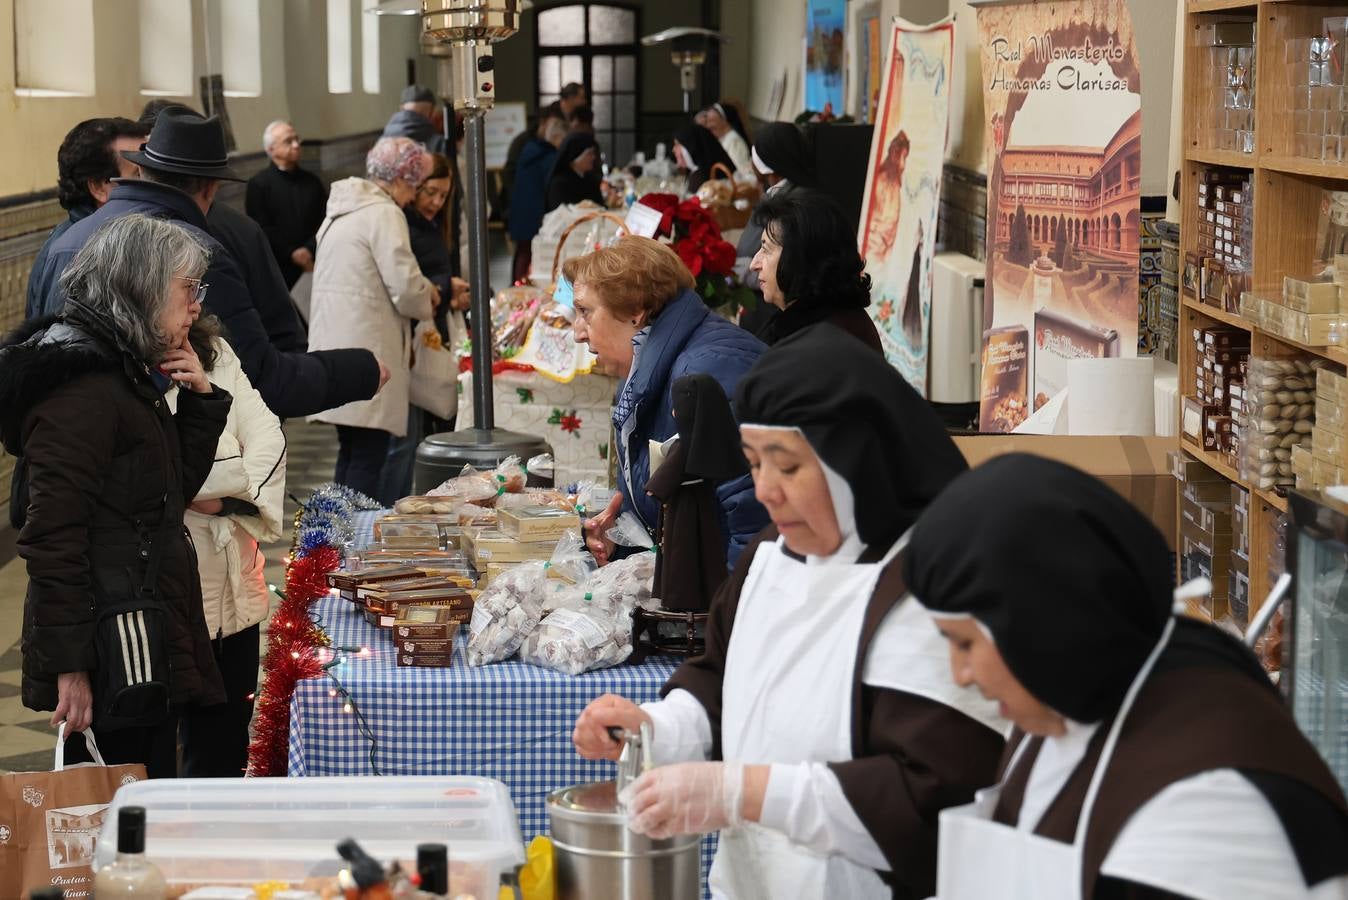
x,y
956,328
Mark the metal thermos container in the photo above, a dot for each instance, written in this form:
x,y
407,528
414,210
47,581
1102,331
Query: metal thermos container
x,y
598,858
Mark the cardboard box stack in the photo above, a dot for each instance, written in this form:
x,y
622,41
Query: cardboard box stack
x,y
1219,270
424,635
1325,465
1221,355
492,551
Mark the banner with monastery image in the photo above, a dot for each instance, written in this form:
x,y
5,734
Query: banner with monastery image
x,y
1062,96
903,190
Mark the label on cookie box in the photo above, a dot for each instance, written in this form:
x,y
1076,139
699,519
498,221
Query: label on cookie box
x,y
1005,379
1058,340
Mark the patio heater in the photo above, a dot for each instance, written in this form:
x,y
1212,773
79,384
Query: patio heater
x,y
688,50
459,35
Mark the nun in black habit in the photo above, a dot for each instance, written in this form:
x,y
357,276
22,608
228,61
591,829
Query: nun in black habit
x,y
697,150
691,564
822,698
1152,757
570,181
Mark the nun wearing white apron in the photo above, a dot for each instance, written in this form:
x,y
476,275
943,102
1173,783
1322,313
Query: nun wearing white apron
x,y
1152,758
822,701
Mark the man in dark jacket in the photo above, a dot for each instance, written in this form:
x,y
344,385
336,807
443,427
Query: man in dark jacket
x,y
89,159
414,120
288,201
183,163
248,245
529,191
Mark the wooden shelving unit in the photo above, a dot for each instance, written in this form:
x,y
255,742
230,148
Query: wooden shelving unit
x,y
1287,191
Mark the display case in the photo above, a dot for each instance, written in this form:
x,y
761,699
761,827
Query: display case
x,y
1315,674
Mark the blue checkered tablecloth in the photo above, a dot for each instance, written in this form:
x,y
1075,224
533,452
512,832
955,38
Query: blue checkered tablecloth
x,y
510,721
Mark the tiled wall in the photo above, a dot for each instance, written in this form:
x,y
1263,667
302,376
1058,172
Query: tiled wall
x,y
25,223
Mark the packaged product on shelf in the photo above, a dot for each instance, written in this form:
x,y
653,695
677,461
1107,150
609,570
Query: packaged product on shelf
x,y
420,581
505,612
615,589
1279,415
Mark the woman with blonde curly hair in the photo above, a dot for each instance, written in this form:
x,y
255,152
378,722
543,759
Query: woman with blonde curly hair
x,y
367,289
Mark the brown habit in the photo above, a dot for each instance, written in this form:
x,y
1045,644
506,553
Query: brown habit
x,y
911,757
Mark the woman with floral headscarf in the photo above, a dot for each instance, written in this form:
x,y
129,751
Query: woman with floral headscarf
x,y
367,286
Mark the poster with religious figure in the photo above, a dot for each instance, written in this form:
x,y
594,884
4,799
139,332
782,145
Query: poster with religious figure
x,y
1062,96
903,190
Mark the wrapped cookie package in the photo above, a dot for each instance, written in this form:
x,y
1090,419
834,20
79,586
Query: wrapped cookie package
x,y
1277,418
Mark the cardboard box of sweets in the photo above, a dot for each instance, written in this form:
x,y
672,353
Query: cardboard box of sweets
x,y
536,523
423,647
491,545
411,583
431,623
425,661
391,602
346,582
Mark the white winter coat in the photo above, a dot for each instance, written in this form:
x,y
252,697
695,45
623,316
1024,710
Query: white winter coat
x,y
367,286
250,465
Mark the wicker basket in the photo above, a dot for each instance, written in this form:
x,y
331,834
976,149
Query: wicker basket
x,y
561,242
728,216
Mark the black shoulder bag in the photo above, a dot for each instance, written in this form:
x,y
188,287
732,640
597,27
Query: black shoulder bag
x,y
131,682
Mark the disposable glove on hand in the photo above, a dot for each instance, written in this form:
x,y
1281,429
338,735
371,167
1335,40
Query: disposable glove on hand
x,y
686,798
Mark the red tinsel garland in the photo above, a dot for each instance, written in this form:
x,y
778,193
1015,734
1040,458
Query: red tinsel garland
x,y
291,639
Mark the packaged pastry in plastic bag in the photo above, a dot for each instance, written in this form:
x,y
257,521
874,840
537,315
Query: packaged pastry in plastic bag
x,y
573,642
571,562
505,612
613,590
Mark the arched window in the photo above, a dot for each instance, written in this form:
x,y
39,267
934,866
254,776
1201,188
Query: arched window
x,y
594,44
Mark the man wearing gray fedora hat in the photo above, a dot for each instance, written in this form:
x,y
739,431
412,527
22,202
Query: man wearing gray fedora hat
x,y
414,120
182,165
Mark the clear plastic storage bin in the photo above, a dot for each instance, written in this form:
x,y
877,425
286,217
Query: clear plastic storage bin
x,y
242,831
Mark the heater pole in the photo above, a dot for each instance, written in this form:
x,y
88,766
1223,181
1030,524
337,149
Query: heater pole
x,y
475,145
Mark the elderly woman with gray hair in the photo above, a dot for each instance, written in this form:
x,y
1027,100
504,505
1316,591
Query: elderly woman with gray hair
x,y
113,630
368,287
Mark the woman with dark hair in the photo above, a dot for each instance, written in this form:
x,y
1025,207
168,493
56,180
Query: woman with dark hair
x,y
781,159
808,267
697,150
1152,758
818,732
570,182
107,472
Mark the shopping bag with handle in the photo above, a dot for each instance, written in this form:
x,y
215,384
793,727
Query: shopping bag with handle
x,y
49,822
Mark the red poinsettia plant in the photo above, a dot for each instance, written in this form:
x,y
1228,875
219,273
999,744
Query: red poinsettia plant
x,y
696,237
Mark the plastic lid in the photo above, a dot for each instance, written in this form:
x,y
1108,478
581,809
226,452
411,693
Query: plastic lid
x,y
433,867
131,829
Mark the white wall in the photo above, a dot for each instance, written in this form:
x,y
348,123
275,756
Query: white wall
x,y
293,51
